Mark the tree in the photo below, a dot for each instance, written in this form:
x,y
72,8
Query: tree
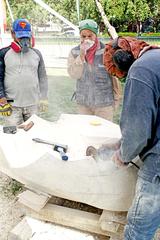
x,y
121,13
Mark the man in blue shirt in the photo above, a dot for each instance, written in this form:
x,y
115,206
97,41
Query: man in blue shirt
x,y
140,127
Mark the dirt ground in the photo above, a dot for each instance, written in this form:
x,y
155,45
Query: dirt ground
x,y
10,213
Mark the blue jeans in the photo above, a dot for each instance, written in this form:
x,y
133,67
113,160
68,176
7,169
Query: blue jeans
x,y
144,214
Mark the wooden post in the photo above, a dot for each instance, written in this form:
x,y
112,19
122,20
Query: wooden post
x,y
111,221
33,200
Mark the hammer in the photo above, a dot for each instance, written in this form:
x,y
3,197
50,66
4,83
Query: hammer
x,y
61,148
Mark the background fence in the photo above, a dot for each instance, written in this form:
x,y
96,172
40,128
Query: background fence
x,y
55,50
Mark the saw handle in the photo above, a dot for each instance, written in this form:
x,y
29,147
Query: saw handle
x,y
62,149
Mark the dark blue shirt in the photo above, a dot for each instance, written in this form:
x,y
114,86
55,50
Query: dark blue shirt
x,y
140,117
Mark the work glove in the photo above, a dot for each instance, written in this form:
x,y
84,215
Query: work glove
x,y
5,107
43,105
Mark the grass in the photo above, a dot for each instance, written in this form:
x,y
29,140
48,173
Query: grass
x,y
61,89
116,116
12,187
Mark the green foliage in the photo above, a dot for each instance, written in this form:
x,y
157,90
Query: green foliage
x,y
139,10
12,187
120,13
15,187
88,9
126,34
151,34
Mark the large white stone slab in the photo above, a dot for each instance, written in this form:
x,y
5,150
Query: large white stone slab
x,y
81,178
